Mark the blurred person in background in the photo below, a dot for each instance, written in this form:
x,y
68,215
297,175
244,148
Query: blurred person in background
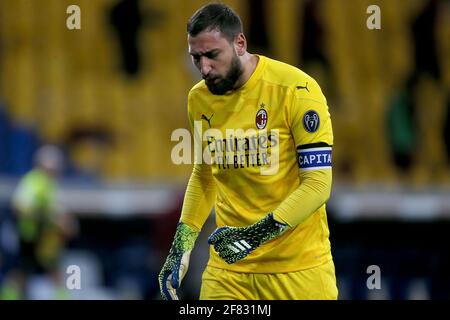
x,y
273,236
43,226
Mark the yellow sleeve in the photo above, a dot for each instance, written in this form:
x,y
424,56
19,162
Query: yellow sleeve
x,y
309,118
199,197
201,189
312,132
311,194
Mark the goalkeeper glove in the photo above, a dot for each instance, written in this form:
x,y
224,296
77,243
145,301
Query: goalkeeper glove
x,y
235,243
177,262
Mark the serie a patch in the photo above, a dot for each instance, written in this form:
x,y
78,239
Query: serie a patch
x,y
314,158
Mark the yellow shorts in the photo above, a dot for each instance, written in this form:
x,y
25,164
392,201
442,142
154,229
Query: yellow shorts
x,y
318,283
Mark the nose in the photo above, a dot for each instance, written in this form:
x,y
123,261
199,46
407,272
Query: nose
x,y
205,66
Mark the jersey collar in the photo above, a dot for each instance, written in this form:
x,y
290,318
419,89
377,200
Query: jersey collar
x,y
256,75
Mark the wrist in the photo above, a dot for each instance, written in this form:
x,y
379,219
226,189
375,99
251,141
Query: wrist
x,y
185,237
269,228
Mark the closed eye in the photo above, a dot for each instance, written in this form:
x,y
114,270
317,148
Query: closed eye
x,y
209,54
196,57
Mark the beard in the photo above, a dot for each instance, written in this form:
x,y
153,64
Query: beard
x,y
226,83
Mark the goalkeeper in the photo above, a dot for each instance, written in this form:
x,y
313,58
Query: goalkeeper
x,y
272,240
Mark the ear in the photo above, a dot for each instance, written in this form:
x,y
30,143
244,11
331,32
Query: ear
x,y
240,44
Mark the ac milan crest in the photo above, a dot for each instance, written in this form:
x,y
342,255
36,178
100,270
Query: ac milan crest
x,y
261,119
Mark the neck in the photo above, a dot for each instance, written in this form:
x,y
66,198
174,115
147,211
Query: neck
x,y
249,63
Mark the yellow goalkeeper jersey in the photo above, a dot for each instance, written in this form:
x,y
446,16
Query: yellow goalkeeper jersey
x,y
257,139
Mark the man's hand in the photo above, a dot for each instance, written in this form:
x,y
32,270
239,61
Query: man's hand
x,y
177,262
235,243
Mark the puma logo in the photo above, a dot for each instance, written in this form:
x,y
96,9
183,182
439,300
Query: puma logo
x,y
207,119
303,87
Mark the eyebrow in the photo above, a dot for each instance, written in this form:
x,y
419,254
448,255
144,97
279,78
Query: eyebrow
x,y
196,54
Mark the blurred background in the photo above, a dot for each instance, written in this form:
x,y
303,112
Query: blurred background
x,y
86,118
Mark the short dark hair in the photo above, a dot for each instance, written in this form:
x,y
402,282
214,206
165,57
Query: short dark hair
x,y
215,16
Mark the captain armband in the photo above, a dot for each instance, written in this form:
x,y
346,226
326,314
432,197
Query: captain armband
x,y
314,156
